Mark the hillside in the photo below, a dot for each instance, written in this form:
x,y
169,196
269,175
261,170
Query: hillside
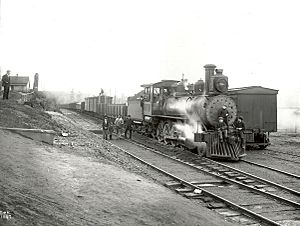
x,y
31,115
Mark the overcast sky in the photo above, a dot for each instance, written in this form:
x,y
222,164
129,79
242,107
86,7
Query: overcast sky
x,y
121,44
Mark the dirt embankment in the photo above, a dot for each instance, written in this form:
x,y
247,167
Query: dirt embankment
x,y
14,113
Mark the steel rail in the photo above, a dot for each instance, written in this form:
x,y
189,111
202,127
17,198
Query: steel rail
x,y
271,168
223,177
256,177
233,205
285,153
288,160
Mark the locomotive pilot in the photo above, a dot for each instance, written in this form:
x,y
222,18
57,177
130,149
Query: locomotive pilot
x,y
224,114
239,125
222,129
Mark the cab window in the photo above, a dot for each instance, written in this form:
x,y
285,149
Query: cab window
x,y
156,93
147,92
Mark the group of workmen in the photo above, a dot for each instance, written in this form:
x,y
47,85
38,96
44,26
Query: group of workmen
x,y
108,126
223,127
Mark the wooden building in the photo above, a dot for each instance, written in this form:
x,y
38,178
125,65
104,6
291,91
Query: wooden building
x,y
19,83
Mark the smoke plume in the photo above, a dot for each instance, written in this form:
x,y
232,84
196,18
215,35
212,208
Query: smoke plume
x,y
189,107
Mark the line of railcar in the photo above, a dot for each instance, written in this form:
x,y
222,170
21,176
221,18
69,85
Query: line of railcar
x,y
176,113
99,105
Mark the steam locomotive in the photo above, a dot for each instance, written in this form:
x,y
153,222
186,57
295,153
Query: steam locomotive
x,y
177,113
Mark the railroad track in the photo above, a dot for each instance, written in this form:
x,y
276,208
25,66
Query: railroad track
x,y
205,180
235,174
271,168
235,194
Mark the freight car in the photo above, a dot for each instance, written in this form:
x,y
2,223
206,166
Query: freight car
x,y
258,106
98,106
102,105
174,113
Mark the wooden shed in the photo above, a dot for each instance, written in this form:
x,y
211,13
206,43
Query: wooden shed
x,y
258,106
19,83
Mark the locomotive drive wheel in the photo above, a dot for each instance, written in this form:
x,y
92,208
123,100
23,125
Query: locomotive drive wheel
x,y
159,132
153,134
173,134
166,132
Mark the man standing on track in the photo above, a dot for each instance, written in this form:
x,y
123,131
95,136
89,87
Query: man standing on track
x,y
106,126
239,125
5,84
128,126
119,123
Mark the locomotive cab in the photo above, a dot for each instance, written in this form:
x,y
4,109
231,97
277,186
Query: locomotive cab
x,y
155,96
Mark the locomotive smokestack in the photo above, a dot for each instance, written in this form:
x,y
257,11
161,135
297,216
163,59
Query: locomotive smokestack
x,y
209,71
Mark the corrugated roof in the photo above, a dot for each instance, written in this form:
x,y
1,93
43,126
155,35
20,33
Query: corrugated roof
x,y
162,83
19,80
166,83
253,90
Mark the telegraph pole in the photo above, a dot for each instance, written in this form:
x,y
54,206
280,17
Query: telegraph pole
x,y
0,34
0,13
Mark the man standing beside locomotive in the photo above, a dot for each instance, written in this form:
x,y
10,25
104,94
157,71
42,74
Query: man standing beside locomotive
x,y
107,128
119,123
239,125
5,84
128,124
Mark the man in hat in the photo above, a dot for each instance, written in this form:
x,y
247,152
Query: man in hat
x,y
128,126
119,123
222,129
239,125
224,114
107,128
6,84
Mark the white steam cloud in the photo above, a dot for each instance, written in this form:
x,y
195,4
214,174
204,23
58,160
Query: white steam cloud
x,y
190,109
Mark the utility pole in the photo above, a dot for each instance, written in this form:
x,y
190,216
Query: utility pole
x,y
0,34
0,13
0,75
115,97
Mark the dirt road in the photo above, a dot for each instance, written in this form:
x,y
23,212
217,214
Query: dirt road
x,y
54,185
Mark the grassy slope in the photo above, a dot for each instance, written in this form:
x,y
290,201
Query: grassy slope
x,y
14,114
